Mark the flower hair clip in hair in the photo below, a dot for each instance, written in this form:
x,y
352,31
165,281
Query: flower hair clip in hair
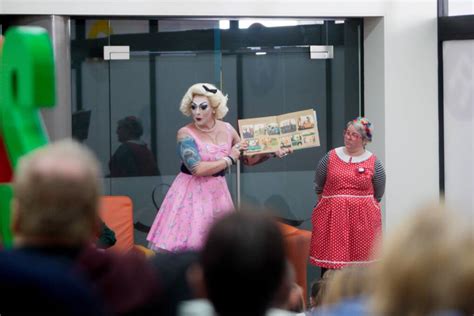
x,y
366,124
214,91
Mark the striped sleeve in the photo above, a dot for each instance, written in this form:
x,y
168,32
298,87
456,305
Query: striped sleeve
x,y
320,176
379,180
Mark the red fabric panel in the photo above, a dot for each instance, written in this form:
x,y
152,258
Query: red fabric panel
x,y
5,165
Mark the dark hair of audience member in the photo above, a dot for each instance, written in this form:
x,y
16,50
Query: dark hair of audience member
x,y
289,295
243,264
318,289
280,300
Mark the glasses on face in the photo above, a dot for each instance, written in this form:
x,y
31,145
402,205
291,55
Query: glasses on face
x,y
352,135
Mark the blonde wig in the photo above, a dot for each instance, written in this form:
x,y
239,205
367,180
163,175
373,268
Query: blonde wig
x,y
217,100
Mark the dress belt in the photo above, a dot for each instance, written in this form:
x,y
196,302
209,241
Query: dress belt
x,y
347,196
186,171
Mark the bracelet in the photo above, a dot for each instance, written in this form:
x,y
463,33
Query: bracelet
x,y
228,162
232,159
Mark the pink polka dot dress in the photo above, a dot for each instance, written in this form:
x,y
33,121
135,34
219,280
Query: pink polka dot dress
x,y
192,204
347,219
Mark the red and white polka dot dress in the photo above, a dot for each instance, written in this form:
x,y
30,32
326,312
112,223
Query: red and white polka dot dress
x,y
347,219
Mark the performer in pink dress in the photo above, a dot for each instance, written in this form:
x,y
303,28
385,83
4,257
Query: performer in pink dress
x,y
349,182
199,195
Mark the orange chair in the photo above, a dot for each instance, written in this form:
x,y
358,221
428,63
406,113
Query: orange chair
x,y
117,213
297,242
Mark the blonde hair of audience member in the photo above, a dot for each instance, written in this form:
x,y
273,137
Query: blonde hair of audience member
x,y
349,282
56,195
427,266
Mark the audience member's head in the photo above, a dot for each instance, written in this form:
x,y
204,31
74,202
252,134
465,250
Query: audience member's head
x,y
319,288
313,293
289,295
56,195
280,300
347,283
296,299
243,263
427,267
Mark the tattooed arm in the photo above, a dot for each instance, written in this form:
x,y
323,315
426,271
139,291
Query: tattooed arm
x,y
189,154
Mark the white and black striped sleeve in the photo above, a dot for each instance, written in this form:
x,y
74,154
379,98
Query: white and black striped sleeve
x,y
379,180
320,176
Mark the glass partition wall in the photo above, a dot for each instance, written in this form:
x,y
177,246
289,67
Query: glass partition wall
x,y
265,68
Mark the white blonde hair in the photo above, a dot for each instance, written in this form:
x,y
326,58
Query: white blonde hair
x,y
217,100
427,266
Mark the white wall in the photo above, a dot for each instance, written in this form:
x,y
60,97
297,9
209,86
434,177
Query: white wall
x,y
400,73
411,106
402,95
458,77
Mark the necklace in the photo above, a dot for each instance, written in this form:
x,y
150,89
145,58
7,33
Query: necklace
x,y
207,130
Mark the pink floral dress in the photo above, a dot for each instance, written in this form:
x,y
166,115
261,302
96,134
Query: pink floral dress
x,y
347,220
192,204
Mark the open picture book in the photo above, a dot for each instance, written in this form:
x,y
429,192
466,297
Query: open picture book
x,y
268,134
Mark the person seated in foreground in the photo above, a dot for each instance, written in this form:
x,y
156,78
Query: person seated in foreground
x,y
427,266
347,283
289,296
46,287
55,214
242,267
106,238
318,291
296,299
245,250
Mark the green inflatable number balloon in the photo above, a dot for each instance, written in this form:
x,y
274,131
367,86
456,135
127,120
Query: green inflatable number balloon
x,y
27,84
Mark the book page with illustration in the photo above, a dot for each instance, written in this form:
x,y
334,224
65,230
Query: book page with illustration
x,y
268,134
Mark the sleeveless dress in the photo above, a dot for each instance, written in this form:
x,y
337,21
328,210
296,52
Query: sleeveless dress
x,y
347,220
192,203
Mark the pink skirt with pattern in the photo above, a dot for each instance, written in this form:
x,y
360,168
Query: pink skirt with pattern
x,y
190,207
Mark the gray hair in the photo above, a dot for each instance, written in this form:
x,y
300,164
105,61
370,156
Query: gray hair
x,y
57,189
363,127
